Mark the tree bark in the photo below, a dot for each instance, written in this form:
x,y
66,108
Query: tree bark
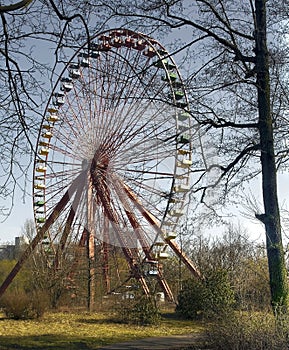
x,y
271,217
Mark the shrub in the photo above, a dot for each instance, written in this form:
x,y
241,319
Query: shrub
x,y
142,311
19,304
209,298
249,332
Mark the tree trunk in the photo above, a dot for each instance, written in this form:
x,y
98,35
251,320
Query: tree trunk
x,y
271,217
90,248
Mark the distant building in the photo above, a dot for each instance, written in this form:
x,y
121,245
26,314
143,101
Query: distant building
x,y
10,251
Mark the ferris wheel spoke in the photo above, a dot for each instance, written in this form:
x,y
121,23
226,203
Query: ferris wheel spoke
x,y
121,79
65,163
140,146
138,110
145,189
142,150
127,87
53,193
68,151
65,177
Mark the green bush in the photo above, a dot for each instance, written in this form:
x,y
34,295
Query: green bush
x,y
258,331
208,298
141,310
18,304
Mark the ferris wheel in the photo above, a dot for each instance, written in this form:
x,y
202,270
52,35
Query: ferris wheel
x,y
114,154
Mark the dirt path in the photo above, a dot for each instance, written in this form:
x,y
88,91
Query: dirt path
x,y
177,342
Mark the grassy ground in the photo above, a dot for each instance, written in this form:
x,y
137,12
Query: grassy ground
x,y
56,331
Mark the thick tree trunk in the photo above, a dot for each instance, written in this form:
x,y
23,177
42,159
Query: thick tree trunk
x,y
271,217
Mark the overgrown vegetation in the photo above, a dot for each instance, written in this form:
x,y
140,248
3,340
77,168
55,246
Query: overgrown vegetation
x,y
141,310
249,331
18,304
210,298
234,296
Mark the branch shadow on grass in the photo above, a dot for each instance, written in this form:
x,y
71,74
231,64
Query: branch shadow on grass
x,y
49,342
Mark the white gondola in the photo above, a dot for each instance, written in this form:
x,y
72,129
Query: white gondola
x,y
184,152
41,169
176,200
185,163
151,267
168,223
184,138
47,135
177,212
84,60
183,116
59,99
39,187
66,84
170,235
74,71
163,255
182,176
94,50
152,273
43,151
181,188
53,118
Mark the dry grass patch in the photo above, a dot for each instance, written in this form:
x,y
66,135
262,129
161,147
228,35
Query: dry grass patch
x,y
81,331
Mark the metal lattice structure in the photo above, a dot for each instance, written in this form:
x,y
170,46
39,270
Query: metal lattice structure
x,y
113,155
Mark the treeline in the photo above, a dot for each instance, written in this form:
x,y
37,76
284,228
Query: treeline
x,y
232,264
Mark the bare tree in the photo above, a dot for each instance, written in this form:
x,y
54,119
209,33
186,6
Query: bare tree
x,y
36,39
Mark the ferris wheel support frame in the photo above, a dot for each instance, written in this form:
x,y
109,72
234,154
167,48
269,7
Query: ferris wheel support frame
x,y
105,255
90,246
40,234
154,222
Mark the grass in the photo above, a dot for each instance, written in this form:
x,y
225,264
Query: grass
x,y
56,331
